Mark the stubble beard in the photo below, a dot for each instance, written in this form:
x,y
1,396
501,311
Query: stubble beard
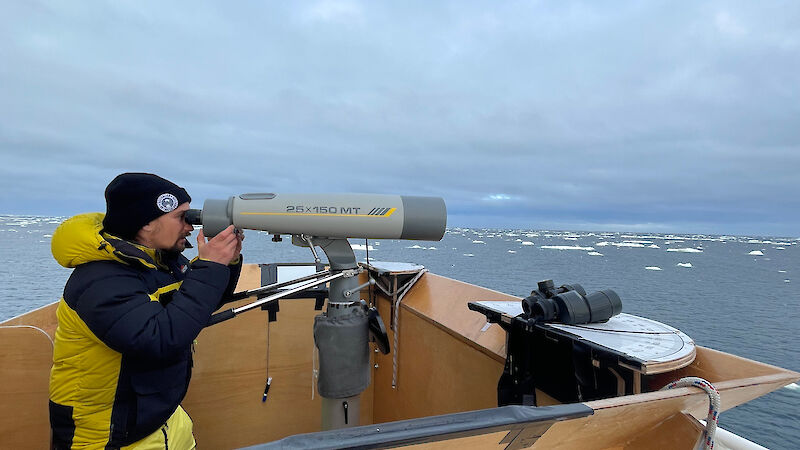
x,y
180,245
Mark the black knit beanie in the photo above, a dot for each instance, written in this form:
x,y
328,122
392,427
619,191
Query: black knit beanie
x,y
135,199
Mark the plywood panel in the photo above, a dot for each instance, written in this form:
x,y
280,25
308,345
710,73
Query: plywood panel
x,y
26,355
44,318
437,372
678,431
443,301
716,366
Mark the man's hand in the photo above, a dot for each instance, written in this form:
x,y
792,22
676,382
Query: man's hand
x,y
223,248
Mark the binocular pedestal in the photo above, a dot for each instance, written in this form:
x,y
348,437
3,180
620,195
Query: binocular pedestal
x,y
342,336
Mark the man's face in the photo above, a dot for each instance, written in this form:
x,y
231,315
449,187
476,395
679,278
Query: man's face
x,y
169,231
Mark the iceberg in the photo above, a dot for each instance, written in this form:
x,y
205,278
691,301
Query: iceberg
x,y
527,243
756,253
478,242
469,254
595,254
653,268
684,264
512,251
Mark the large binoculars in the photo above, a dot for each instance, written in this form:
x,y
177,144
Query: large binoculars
x,y
373,216
569,304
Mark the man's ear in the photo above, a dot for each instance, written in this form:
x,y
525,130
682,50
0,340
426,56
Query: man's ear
x,y
144,233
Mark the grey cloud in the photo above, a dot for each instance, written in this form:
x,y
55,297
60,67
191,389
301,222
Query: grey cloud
x,y
628,113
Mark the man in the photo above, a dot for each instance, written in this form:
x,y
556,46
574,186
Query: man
x,y
129,316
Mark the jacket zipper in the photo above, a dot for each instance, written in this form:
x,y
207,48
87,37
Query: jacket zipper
x,y
164,430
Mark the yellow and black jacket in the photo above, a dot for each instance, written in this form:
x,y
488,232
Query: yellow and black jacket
x,y
122,359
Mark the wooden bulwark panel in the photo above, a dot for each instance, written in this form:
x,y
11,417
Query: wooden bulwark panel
x,y
26,355
440,370
716,366
43,318
443,302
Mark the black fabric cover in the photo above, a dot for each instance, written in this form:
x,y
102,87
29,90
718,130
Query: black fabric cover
x,y
343,344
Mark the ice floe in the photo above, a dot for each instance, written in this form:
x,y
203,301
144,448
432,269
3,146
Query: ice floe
x,y
595,254
416,246
685,250
653,246
653,268
469,254
627,244
478,242
527,243
567,247
512,251
756,253
361,247
684,264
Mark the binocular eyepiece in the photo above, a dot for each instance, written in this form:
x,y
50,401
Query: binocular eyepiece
x,y
569,304
194,216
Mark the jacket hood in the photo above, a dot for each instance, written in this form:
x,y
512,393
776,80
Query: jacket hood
x,y
80,239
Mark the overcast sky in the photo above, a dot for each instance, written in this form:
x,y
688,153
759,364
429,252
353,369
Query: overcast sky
x,y
645,116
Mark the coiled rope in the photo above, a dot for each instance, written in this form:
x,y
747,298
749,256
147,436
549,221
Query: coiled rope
x,y
713,406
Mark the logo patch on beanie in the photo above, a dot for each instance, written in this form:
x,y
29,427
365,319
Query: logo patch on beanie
x,y
167,202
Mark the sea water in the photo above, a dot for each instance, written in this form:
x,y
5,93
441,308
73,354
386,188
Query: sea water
x,y
736,294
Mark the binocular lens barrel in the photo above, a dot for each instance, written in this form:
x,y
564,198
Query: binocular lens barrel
x,y
371,216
